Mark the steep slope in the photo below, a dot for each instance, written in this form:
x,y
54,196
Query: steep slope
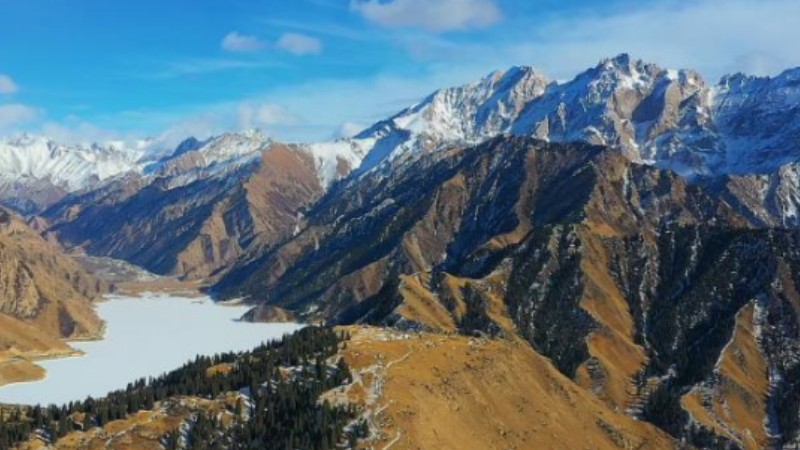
x,y
195,211
758,120
44,297
452,209
629,279
465,114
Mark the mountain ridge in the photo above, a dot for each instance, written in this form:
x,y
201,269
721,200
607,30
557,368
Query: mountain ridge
x,y
670,118
618,272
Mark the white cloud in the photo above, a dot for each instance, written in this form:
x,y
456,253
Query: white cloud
x,y
237,42
305,112
320,102
349,129
707,35
295,43
264,115
15,114
432,15
712,36
299,44
200,126
75,130
7,85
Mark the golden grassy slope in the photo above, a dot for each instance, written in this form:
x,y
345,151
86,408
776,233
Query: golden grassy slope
x,y
612,346
429,391
735,406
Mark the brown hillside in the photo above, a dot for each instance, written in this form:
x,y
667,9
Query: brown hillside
x,y
45,297
191,230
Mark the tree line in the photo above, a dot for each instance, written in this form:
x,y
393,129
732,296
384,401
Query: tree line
x,y
283,381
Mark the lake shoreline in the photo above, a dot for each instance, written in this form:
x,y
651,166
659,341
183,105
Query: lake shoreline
x,y
146,332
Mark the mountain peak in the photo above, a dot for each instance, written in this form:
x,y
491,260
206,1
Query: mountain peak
x,y
187,145
621,60
514,72
622,66
254,133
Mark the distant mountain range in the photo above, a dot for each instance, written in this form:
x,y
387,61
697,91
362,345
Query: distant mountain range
x,y
668,118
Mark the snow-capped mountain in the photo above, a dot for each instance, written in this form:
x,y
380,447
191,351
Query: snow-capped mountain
x,y
221,154
68,167
758,120
669,118
465,114
218,155
195,210
35,171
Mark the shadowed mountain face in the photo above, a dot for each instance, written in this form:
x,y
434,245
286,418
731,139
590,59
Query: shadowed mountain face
x,y
637,285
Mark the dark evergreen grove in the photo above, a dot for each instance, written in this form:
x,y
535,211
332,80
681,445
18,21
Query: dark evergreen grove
x,y
284,411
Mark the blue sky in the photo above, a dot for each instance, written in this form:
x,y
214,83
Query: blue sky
x,y
83,70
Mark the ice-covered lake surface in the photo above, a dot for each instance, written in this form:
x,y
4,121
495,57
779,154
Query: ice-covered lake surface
x,y
145,336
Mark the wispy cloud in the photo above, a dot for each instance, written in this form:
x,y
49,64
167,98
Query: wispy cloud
x,y
318,104
295,43
299,44
7,85
440,15
204,66
321,28
237,42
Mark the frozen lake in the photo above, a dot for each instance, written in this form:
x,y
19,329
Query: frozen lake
x,y
145,336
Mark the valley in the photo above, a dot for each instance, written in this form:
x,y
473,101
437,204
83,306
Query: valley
x,y
608,261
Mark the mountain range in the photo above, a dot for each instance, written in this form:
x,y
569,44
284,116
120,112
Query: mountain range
x,y
635,225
